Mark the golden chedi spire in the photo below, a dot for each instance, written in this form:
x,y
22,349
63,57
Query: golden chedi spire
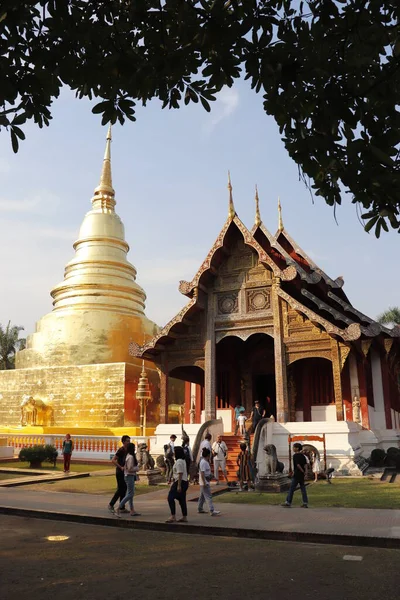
x,y
280,221
231,209
98,308
100,276
104,193
257,220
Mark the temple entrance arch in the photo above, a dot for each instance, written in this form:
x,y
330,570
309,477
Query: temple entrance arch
x,y
186,406
246,372
311,390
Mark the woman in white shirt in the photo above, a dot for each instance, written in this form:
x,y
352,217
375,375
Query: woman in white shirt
x,y
179,486
204,480
130,469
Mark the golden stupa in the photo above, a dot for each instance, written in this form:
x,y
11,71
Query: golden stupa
x,y
76,370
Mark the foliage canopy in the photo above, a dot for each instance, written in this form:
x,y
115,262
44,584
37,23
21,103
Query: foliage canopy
x,y
328,71
10,343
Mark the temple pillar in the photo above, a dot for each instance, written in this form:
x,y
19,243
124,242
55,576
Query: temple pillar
x,y
187,401
379,417
210,362
282,403
362,383
198,403
337,380
163,396
386,392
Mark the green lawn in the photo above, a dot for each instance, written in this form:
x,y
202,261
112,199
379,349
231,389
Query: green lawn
x,y
91,485
344,492
75,467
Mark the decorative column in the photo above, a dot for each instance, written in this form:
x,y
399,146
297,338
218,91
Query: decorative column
x,y
386,392
362,382
188,387
199,391
282,403
337,383
379,415
143,395
209,362
163,395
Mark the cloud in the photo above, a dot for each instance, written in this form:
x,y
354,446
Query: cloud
x,y
41,203
225,105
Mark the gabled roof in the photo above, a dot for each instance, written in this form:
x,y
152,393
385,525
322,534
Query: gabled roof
x,y
306,287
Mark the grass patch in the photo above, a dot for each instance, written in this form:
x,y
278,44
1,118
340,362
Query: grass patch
x,y
75,467
343,493
92,485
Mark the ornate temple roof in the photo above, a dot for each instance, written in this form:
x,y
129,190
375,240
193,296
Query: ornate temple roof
x,y
303,285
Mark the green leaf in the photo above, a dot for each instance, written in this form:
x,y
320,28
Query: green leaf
x,y
14,142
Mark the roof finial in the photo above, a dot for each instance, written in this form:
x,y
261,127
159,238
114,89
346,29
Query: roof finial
x,y
280,222
231,210
257,220
105,191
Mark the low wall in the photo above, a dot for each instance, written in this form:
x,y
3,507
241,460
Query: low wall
x,y
92,447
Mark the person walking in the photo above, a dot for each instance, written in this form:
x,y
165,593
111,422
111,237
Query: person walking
x,y
204,480
119,462
239,409
67,448
242,423
256,415
299,470
179,487
220,453
206,443
131,467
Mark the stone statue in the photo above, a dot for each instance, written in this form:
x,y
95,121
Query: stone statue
x,y
356,405
271,462
146,461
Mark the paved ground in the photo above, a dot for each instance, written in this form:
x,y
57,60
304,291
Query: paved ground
x,y
358,526
97,563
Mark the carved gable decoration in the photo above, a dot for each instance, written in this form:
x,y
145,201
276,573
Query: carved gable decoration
x,y
258,274
228,303
257,299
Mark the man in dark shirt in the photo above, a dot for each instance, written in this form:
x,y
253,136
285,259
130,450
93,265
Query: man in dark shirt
x,y
299,470
119,462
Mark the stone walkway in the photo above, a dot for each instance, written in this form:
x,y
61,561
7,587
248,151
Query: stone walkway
x,y
32,476
369,527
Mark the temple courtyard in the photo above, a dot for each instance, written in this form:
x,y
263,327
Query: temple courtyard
x,y
48,559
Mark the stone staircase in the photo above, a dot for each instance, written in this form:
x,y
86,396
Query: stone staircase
x,y
232,441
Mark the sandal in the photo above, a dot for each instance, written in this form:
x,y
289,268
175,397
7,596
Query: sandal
x,y
136,514
183,520
171,520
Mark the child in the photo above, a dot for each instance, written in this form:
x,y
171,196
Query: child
x,y
241,422
67,447
316,466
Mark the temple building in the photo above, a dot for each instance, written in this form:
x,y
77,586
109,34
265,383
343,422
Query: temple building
x,y
264,322
76,371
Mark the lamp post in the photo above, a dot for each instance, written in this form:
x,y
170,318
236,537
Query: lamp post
x,y
143,395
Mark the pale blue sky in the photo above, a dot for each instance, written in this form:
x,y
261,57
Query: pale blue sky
x,y
170,176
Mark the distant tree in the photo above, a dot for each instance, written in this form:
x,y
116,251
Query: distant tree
x,y
10,343
390,316
328,72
